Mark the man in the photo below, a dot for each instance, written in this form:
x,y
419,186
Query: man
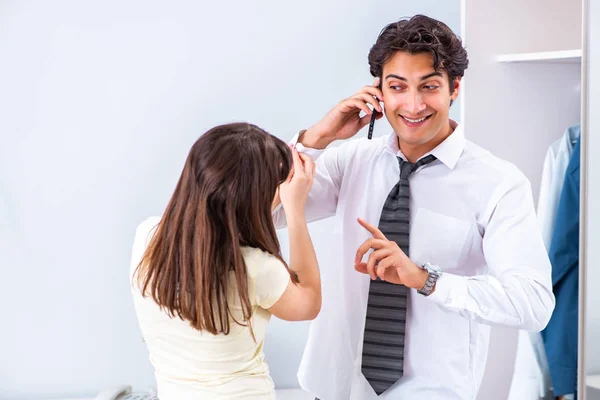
x,y
472,256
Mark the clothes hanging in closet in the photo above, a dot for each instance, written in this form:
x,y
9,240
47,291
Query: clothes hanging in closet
x,y
531,378
553,177
560,336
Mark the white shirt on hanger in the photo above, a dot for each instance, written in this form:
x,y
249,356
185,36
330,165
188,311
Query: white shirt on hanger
x,y
473,215
531,378
553,177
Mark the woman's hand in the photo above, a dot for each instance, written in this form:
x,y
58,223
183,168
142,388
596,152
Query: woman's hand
x,y
294,191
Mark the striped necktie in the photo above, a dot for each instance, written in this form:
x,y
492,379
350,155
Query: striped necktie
x,y
383,343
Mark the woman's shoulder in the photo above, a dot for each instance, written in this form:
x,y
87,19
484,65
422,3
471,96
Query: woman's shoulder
x,y
268,277
147,226
143,233
257,260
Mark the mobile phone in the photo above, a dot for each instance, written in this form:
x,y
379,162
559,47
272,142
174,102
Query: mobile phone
x,y
373,116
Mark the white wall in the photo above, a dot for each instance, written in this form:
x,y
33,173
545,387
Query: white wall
x,y
592,279
517,110
100,102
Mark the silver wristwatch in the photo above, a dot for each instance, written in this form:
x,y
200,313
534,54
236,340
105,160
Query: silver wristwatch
x,y
434,272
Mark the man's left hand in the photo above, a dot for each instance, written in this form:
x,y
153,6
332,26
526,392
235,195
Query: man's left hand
x,y
388,261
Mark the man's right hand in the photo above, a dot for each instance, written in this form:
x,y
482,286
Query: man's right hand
x,y
344,121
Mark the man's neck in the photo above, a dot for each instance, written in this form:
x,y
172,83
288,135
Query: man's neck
x,y
414,152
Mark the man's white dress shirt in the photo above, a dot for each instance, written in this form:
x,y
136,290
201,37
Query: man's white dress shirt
x,y
473,215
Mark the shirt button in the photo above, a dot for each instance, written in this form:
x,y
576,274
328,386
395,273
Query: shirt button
x,y
449,300
485,311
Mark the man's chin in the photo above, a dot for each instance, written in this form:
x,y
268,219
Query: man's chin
x,y
412,139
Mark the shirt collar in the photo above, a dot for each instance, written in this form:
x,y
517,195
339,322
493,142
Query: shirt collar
x,y
448,152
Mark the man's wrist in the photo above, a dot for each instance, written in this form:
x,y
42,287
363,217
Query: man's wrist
x,y
314,140
420,278
432,274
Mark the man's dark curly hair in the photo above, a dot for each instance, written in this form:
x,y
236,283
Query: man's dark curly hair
x,y
420,34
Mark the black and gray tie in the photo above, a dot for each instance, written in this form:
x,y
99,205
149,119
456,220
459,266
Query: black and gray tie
x,y
383,343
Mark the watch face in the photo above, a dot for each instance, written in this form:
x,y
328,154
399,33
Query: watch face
x,y
434,268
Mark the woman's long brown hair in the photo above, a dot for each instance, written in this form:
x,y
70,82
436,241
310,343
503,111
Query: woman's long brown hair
x,y
222,201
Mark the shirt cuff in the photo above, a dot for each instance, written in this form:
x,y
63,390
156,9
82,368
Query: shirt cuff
x,y
450,291
312,153
277,208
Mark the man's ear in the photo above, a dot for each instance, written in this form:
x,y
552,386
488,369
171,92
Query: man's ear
x,y
456,90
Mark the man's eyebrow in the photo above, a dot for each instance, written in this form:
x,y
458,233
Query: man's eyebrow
x,y
395,76
431,75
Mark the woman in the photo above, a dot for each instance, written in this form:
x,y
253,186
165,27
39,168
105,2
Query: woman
x,y
208,274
